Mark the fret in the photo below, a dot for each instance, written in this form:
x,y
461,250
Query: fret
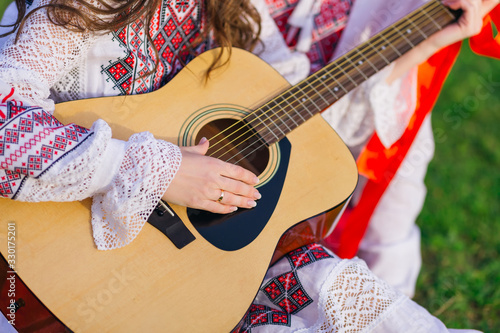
x,y
325,87
305,109
340,85
287,114
387,62
305,97
287,108
320,95
322,80
432,20
270,123
302,101
444,18
375,69
301,120
347,75
328,75
295,124
368,62
357,68
390,44
418,29
405,38
261,128
429,29
284,113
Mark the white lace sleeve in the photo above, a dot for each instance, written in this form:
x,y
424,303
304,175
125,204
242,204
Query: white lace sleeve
x,y
119,212
375,106
43,160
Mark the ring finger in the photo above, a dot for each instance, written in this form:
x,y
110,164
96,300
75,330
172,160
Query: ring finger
x,y
231,199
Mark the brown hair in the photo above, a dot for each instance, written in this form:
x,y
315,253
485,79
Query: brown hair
x,y
232,22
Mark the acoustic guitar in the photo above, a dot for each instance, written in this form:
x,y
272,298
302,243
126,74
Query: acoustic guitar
x,y
204,278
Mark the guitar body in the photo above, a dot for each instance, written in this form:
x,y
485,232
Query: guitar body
x,y
150,285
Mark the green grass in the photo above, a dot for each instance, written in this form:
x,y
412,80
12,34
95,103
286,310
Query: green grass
x,y
3,5
460,279
460,221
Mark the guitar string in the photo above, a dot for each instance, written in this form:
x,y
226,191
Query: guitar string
x,y
319,76
360,50
254,150
269,134
431,7
246,148
298,86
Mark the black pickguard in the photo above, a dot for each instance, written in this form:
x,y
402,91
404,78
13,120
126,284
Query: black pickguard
x,y
234,231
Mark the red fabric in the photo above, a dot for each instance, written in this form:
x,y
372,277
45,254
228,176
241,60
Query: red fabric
x,y
485,43
379,164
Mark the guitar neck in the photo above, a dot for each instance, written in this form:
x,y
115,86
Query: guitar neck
x,y
317,92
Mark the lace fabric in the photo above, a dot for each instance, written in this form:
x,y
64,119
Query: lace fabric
x,y
43,54
352,299
375,106
312,290
46,65
148,167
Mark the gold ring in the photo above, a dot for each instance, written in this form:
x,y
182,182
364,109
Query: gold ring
x,y
221,196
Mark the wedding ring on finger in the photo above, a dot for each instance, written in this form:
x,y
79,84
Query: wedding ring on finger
x,y
221,196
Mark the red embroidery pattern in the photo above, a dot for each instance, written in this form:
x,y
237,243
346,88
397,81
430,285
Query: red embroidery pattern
x,y
328,26
174,25
306,255
259,315
287,292
31,140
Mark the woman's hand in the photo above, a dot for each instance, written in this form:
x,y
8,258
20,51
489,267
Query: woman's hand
x,y
468,25
210,184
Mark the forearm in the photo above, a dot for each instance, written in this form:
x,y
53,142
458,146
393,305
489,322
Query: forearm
x,y
409,60
469,24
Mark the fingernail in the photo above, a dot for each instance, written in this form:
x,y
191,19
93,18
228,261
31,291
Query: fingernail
x,y
256,180
203,140
257,195
233,209
252,203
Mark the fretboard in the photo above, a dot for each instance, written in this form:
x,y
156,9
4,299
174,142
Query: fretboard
x,y
317,92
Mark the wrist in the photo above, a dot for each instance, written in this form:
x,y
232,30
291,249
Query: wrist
x,y
426,49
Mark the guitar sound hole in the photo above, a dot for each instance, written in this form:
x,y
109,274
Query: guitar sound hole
x,y
234,142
